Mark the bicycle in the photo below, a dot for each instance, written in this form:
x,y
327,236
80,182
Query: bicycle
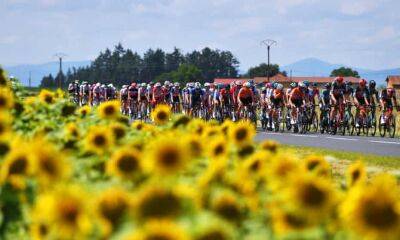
x,y
387,123
372,120
278,123
247,113
362,121
313,123
348,120
324,119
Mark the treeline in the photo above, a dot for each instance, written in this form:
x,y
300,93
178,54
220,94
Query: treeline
x,y
123,66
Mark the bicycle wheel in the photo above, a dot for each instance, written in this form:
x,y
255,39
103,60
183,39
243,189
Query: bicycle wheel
x,y
392,127
382,126
351,125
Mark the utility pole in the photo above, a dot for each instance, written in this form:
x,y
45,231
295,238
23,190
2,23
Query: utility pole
x,y
268,43
60,57
30,79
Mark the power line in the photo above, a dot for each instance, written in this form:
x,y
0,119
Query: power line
x,y
60,57
268,43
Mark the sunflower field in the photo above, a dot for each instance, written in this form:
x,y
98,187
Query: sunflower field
x,y
83,173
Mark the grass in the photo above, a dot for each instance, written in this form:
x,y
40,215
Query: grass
x,y
383,162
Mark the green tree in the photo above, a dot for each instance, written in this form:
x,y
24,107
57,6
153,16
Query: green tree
x,y
184,74
48,82
173,60
262,70
344,72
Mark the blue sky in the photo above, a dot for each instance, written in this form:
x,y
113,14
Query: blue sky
x,y
363,33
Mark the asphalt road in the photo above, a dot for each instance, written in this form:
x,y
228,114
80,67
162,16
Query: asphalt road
x,y
362,144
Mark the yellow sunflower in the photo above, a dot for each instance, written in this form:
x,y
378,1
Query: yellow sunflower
x,y
225,126
181,121
84,111
161,114
256,164
242,133
118,130
109,110
112,205
71,131
139,125
4,146
356,174
160,230
194,144
166,157
227,206
98,140
40,230
269,145
213,228
46,96
6,99
286,221
66,209
5,124
281,169
125,163
217,148
158,202
317,165
3,80
373,211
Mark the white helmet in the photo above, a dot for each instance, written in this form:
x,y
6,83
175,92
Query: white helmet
x,y
143,84
197,85
158,84
110,85
279,87
98,84
247,84
166,83
176,84
124,86
206,84
301,84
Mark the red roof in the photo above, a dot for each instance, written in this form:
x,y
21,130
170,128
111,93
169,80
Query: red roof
x,y
282,79
229,80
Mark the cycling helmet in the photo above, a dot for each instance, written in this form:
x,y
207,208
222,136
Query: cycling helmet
x,y
362,82
247,84
348,83
372,83
263,88
143,85
268,85
314,84
302,85
197,85
251,81
151,83
76,81
293,84
279,86
306,83
133,84
98,84
239,83
274,85
176,84
166,83
103,85
124,86
327,85
390,91
206,84
339,79
85,82
157,84
110,85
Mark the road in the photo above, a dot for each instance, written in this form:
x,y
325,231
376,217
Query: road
x,y
362,144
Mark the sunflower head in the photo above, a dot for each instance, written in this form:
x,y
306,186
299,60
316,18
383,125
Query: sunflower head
x,y
282,168
317,165
118,130
160,230
242,133
269,145
5,124
158,202
356,174
109,110
245,151
217,148
181,121
46,96
71,131
98,140
125,163
18,164
161,114
227,206
84,111
166,157
138,125
6,99
68,109
112,205
194,144
287,221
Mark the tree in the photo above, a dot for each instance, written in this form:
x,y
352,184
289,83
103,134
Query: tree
x,y
262,70
173,60
184,74
48,82
344,72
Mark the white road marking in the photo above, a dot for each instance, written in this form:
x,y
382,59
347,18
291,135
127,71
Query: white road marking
x,y
344,139
299,135
272,133
397,143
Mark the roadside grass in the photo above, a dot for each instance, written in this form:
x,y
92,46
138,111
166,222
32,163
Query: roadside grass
x,y
382,162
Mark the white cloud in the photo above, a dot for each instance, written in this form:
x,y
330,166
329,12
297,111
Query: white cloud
x,y
358,7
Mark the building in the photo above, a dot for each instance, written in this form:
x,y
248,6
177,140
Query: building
x,y
394,82
279,78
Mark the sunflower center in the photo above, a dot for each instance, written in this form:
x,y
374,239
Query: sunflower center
x,y
4,148
355,175
382,216
113,211
162,116
99,140
119,132
169,158
246,150
241,134
47,165
3,101
219,149
230,211
160,204
43,230
312,165
109,110
195,147
212,235
255,166
2,128
69,212
312,196
127,163
159,236
294,221
48,99
19,165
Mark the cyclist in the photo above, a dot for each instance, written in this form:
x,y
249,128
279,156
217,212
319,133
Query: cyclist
x,y
324,100
245,97
158,94
207,96
313,93
388,100
360,98
297,99
337,92
278,101
142,99
196,95
84,93
123,97
110,92
167,92
73,90
373,97
176,97
97,94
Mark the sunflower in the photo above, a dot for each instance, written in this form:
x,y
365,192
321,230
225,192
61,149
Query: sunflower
x,y
227,206
194,144
282,168
71,131
356,174
46,96
213,228
98,140
317,165
286,221
217,148
4,146
40,230
241,133
166,156
373,211
6,99
3,80
84,111
311,194
181,121
255,165
111,206
158,202
138,125
5,124
118,130
50,164
160,230
225,126
125,163
65,208
161,114
245,150
269,145
197,126
109,110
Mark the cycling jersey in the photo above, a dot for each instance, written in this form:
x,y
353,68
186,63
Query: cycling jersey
x,y
338,89
158,94
360,94
387,98
297,94
133,92
325,95
124,94
196,95
372,92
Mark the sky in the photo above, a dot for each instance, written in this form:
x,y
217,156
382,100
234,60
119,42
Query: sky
x,y
362,33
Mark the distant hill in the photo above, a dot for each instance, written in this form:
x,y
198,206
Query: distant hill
x,y
316,67
39,70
